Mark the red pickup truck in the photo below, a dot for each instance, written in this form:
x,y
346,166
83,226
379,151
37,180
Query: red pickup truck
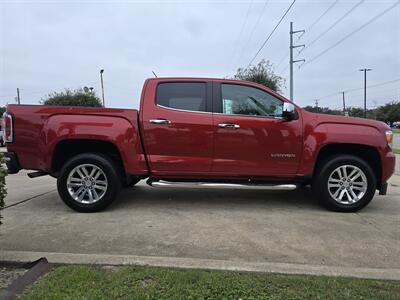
x,y
195,132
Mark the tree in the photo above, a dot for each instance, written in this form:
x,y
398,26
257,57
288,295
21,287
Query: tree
x,y
389,112
323,110
355,112
2,110
262,73
80,97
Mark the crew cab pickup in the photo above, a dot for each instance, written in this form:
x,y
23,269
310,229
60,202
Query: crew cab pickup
x,y
200,132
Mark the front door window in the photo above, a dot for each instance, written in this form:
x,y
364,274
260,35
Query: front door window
x,y
245,100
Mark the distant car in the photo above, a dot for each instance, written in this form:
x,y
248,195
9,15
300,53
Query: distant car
x,y
396,125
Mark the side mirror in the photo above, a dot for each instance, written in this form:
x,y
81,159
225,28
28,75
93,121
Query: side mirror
x,y
289,111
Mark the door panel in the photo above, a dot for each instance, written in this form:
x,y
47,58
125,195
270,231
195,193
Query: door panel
x,y
178,141
258,146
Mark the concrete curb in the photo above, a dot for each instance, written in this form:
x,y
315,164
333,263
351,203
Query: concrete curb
x,y
197,263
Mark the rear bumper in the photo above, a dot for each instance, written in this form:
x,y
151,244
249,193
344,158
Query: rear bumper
x,y
12,162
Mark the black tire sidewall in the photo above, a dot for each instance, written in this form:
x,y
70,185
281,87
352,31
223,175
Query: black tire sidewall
x,y
322,176
109,169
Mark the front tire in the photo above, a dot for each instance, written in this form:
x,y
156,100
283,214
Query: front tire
x,y
88,182
344,183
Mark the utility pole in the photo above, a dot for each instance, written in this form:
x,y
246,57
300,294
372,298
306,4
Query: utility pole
x,y
344,104
18,98
102,86
365,90
316,102
291,62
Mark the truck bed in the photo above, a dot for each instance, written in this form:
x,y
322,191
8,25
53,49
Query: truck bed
x,y
40,128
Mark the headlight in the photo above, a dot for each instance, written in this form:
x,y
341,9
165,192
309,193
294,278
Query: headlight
x,y
389,137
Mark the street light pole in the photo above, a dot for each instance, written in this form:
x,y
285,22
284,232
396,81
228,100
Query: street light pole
x,y
102,86
365,90
18,98
344,104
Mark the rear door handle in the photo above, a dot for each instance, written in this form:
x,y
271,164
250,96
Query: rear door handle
x,y
160,121
234,126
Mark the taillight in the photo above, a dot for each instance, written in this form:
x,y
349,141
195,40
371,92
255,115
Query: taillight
x,y
8,128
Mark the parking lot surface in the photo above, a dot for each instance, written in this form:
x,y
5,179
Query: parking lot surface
x,y
217,224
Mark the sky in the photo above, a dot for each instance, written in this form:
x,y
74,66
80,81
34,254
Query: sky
x,y
47,46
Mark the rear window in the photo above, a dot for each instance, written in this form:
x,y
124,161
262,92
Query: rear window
x,y
182,95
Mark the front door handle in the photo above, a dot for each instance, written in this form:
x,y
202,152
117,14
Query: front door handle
x,y
160,121
234,126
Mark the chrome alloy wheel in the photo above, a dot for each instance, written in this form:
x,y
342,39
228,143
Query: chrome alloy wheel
x,y
347,184
87,184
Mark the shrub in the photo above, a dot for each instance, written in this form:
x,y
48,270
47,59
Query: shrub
x,y
80,97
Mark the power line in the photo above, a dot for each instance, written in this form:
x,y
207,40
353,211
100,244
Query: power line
x,y
241,30
319,18
334,24
353,32
272,32
386,96
375,85
358,89
253,30
307,30
283,59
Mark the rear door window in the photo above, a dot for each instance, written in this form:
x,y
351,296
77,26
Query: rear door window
x,y
189,96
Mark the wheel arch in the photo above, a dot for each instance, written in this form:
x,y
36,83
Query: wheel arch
x,y
66,149
368,153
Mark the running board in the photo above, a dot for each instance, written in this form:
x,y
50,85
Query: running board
x,y
163,183
37,174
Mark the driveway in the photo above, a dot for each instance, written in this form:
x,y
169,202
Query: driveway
x,y
234,226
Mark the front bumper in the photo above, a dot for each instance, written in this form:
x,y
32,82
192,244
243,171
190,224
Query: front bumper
x,y
11,162
388,167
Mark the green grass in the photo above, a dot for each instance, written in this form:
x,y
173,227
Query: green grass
x,y
397,151
396,130
89,282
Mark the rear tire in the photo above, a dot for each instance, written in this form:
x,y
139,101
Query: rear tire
x,y
88,182
344,183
